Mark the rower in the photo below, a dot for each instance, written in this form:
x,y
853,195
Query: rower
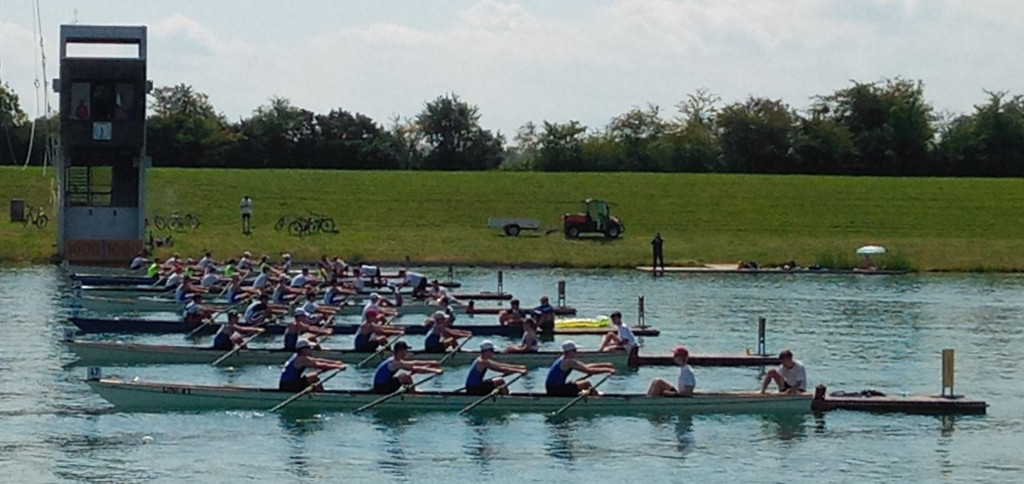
x,y
286,263
373,334
139,261
436,291
176,278
790,376
153,271
556,384
529,342
387,378
299,326
210,277
377,303
194,312
292,379
185,290
442,336
338,267
230,268
245,263
513,315
282,293
334,290
475,382
258,311
262,280
206,261
236,292
315,311
300,281
446,308
545,315
174,260
684,384
230,334
620,340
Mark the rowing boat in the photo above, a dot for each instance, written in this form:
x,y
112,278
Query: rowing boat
x,y
167,304
142,396
134,290
102,353
148,326
131,280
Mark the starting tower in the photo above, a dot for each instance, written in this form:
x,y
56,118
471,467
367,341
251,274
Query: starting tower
x,y
102,167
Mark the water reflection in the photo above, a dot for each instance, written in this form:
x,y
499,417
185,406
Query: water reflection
x,y
684,434
295,430
395,458
784,427
561,442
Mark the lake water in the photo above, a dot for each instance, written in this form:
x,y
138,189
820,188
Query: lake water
x,y
852,332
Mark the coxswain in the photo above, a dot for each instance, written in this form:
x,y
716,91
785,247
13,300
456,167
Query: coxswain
x,y
372,333
442,336
684,384
545,315
387,378
299,326
230,334
529,342
620,340
292,379
557,383
476,384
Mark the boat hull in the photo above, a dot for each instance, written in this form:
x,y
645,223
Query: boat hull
x,y
138,396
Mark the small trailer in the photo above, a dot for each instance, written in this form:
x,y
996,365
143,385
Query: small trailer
x,y
513,225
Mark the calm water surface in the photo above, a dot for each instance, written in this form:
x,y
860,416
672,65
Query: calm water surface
x,y
851,332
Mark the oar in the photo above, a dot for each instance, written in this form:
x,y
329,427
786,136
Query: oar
x,y
406,388
494,392
382,349
206,322
304,391
585,394
235,349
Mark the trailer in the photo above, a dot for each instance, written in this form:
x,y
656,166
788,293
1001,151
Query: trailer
x,y
513,225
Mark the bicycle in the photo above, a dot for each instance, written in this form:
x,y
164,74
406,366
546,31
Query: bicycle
x,y
35,216
312,224
176,221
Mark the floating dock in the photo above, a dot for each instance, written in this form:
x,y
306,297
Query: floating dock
x,y
732,269
913,404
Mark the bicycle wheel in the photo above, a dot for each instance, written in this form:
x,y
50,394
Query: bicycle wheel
x,y
176,223
296,228
282,222
327,225
192,220
159,222
41,221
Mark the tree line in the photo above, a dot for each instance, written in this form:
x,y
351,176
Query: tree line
x,y
875,128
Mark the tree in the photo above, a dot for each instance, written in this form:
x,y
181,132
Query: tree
x,y
11,118
635,132
691,144
757,136
184,129
353,141
988,142
560,147
454,140
279,135
890,123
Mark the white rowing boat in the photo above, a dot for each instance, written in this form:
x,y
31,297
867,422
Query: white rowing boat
x,y
142,396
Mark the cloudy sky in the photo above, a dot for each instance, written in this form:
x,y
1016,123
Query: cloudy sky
x,y
536,60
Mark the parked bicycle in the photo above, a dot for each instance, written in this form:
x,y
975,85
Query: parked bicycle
x,y
303,225
35,216
176,221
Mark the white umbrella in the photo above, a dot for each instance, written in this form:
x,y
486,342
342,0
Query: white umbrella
x,y
871,250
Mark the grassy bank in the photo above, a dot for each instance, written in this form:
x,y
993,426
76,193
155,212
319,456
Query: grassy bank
x,y
928,224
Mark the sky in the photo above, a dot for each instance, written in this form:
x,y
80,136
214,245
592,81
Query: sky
x,y
538,60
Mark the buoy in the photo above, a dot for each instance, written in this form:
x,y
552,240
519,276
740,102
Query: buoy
x,y
147,440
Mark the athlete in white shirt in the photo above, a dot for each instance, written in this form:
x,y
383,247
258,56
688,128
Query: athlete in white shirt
x,y
621,339
684,384
790,376
139,261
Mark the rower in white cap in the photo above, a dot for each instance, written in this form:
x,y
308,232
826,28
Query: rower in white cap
x,y
475,382
557,383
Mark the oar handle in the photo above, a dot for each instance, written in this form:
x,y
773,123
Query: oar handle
x,y
378,352
304,391
494,392
236,349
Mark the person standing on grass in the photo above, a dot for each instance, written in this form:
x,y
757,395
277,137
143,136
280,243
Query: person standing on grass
x,y
659,254
246,207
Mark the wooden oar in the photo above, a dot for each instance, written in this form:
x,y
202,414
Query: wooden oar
x,y
494,392
235,349
586,393
382,349
304,391
406,388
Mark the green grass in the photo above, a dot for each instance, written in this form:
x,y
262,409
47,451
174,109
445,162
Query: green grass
x,y
927,223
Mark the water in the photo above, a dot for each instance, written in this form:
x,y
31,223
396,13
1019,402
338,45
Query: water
x,y
851,332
